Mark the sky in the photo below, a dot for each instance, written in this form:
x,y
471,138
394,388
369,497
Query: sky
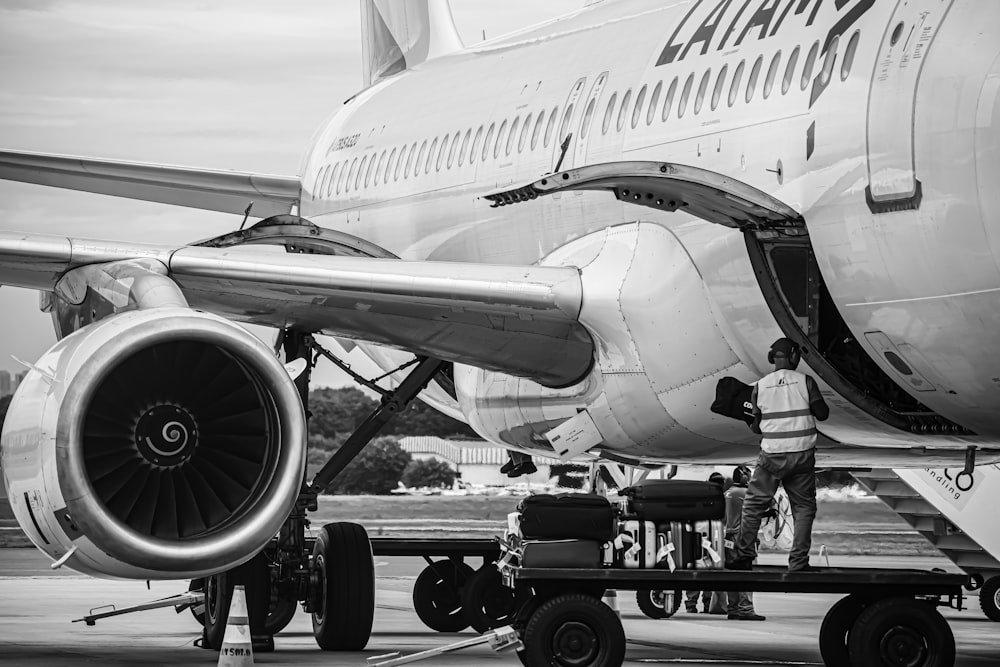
x,y
224,84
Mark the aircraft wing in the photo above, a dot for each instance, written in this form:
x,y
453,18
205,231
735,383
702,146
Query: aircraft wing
x,y
520,320
212,190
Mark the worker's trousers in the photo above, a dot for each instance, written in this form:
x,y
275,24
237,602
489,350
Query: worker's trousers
x,y
796,472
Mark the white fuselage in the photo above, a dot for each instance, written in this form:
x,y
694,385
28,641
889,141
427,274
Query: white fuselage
x,y
887,143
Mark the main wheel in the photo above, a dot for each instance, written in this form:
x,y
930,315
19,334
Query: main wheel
x,y
218,597
836,627
279,615
197,610
574,630
437,595
486,602
989,598
658,604
255,578
344,576
901,632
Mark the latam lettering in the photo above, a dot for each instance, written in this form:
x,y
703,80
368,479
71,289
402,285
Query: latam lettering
x,y
764,22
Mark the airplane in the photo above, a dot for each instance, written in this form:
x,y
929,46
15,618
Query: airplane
x,y
577,228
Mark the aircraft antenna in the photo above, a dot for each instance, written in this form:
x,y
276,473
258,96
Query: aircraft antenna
x,y
246,215
562,150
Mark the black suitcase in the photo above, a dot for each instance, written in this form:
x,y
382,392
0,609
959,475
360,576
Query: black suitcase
x,y
579,516
665,500
580,554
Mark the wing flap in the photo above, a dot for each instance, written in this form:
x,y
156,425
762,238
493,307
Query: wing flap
x,y
207,189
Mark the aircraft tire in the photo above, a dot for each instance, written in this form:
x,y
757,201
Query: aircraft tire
x,y
437,595
279,615
198,611
658,604
836,628
344,571
901,631
989,598
574,629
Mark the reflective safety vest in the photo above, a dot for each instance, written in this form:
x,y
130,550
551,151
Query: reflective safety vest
x,y
786,422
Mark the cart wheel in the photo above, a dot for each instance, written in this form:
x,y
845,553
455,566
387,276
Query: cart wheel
x,y
487,603
901,631
198,610
437,595
989,598
658,604
836,627
344,577
574,630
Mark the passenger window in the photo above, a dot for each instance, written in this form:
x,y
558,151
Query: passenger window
x,y
370,170
389,166
588,115
514,127
420,158
359,177
409,161
772,73
339,181
474,150
685,94
702,89
488,141
852,47
609,113
399,163
318,185
640,99
381,166
564,127
501,134
754,75
441,153
831,57
550,126
333,180
793,60
622,113
537,132
734,87
654,102
668,102
454,148
719,85
807,69
464,148
523,139
430,156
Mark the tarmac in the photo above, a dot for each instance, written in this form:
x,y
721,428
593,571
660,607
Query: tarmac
x,y
37,606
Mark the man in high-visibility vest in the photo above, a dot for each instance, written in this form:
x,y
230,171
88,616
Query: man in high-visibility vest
x,y
786,405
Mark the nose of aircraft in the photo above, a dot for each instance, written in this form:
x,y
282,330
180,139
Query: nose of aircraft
x,y
988,154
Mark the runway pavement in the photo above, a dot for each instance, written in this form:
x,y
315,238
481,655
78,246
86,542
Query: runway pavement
x,y
37,605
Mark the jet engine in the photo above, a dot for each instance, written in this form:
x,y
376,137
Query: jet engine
x,y
154,444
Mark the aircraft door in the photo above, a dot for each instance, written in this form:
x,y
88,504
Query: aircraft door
x,y
587,121
564,128
892,180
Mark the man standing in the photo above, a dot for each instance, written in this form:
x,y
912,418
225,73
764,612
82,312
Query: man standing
x,y
739,605
786,405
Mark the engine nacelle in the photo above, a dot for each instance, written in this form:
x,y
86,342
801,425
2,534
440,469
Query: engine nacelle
x,y
155,444
659,351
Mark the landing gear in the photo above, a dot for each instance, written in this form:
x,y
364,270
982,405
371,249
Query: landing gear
x,y
658,604
989,598
344,588
437,595
218,589
487,603
836,628
901,631
574,630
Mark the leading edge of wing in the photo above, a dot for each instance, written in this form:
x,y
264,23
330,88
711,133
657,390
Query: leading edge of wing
x,y
519,320
207,189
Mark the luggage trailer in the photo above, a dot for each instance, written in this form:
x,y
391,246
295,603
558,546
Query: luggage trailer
x,y
889,616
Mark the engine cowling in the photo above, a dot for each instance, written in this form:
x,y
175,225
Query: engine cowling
x,y
155,444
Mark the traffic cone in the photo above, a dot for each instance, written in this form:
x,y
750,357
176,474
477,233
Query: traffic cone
x,y
611,599
237,647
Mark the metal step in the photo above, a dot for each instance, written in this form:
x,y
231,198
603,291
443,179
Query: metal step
x,y
913,506
893,488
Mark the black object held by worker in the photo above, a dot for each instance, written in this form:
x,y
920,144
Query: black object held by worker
x,y
666,500
580,516
732,399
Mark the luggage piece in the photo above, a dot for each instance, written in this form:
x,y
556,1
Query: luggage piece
x,y
666,500
641,553
713,545
579,516
562,553
686,544
733,399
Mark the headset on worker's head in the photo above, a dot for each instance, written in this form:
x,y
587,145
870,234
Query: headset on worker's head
x,y
786,347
